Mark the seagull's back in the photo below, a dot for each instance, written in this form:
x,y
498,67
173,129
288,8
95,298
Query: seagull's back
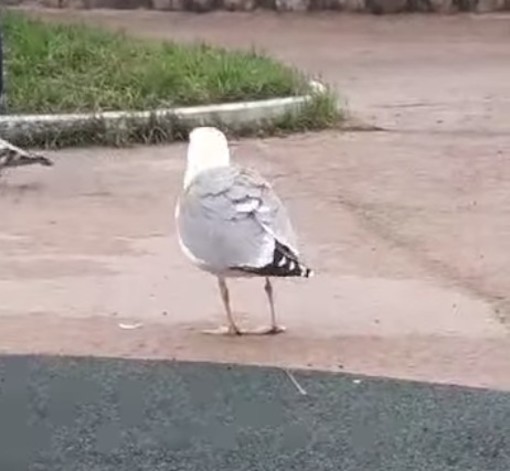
x,y
231,222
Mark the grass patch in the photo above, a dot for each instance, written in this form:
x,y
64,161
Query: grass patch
x,y
66,68
54,68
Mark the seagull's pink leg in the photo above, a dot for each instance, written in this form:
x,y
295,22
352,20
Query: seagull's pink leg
x,y
231,328
274,328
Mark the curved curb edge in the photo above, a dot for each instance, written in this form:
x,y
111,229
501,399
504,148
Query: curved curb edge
x,y
235,116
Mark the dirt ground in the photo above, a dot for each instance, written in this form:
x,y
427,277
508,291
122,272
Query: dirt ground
x,y
408,230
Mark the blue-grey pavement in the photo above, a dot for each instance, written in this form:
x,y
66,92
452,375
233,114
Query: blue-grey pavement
x,y
72,414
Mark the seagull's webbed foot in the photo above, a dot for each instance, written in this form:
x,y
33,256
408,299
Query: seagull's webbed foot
x,y
232,330
267,330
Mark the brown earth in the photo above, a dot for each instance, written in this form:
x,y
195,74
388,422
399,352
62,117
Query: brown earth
x,y
408,230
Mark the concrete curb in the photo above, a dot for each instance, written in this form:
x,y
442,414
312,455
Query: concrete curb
x,y
234,116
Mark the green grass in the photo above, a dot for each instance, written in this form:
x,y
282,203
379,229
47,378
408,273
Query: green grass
x,y
66,68
62,68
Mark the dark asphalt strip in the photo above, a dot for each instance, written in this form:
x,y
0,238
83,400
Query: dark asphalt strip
x,y
104,414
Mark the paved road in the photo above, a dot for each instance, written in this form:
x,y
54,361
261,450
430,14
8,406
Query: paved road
x,y
397,252
67,414
408,230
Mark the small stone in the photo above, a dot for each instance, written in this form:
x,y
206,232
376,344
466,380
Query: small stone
x,y
130,326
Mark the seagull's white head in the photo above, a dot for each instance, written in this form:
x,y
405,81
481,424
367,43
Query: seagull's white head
x,y
207,148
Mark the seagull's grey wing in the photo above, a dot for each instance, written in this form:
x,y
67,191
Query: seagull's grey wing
x,y
230,218
271,213
12,156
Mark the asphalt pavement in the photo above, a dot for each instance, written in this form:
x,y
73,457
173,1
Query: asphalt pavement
x,y
105,414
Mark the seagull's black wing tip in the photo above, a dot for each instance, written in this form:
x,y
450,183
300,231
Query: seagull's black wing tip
x,y
284,264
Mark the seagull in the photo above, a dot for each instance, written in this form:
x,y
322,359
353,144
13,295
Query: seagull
x,y
12,156
230,223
